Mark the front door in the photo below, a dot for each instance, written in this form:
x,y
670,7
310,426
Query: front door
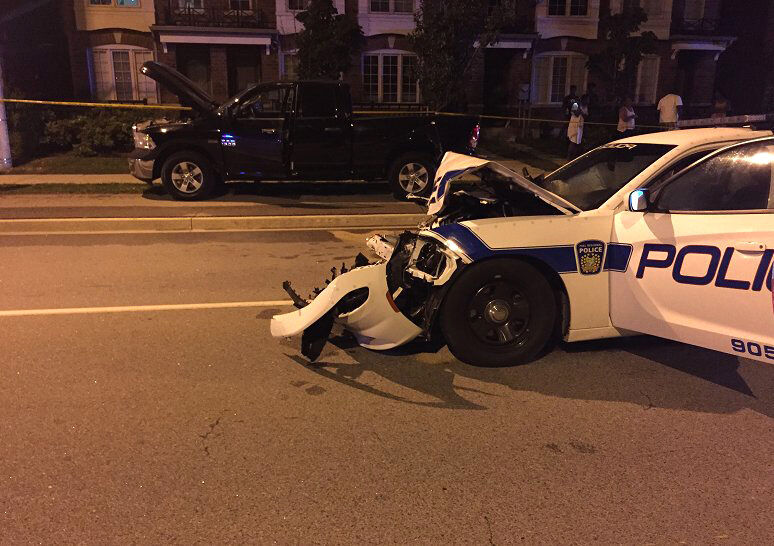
x,y
322,132
700,268
254,141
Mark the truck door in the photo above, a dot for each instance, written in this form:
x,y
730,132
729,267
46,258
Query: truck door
x,y
322,132
700,264
253,141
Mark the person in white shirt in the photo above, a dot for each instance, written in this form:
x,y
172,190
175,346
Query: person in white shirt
x,y
669,109
626,117
575,131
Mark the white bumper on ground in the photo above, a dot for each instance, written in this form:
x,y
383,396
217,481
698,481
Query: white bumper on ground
x,y
377,324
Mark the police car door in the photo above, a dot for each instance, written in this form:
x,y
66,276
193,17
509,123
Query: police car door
x,y
701,255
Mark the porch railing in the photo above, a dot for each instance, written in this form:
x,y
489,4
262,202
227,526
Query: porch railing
x,y
220,15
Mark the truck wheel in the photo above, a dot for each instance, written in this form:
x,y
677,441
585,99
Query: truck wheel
x,y
411,173
188,176
499,313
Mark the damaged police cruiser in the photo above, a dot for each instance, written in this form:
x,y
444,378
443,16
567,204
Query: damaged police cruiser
x,y
669,234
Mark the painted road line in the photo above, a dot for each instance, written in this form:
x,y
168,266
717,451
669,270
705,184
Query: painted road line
x,y
142,308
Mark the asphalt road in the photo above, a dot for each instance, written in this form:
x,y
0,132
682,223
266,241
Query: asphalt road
x,y
195,426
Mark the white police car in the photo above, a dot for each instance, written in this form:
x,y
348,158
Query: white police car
x,y
648,234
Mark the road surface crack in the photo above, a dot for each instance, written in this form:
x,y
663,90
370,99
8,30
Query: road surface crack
x,y
212,426
489,526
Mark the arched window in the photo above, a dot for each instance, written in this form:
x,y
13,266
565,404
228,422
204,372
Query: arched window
x,y
114,73
553,74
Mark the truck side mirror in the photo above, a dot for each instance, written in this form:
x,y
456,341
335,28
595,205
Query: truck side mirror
x,y
639,200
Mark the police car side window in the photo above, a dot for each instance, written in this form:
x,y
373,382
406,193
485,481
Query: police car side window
x,y
737,179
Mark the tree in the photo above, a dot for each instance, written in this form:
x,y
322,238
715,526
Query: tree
x,y
327,42
617,63
449,37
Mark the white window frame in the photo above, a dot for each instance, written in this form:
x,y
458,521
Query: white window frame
x,y
535,87
638,87
392,11
381,53
283,58
135,71
567,9
293,10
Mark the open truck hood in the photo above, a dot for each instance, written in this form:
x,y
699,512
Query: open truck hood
x,y
455,166
187,91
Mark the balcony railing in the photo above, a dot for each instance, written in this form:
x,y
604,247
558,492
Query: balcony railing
x,y
698,27
214,16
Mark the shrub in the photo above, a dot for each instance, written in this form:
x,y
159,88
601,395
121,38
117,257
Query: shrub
x,y
93,132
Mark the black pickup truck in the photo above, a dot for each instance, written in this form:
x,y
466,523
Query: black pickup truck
x,y
290,131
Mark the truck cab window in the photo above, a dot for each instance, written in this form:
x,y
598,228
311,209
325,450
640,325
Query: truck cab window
x,y
263,103
318,101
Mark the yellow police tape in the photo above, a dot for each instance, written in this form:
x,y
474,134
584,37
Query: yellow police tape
x,y
359,112
99,104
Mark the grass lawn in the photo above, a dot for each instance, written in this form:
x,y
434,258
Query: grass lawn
x,y
73,164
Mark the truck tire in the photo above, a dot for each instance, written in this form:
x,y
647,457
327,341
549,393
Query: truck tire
x,y
188,176
411,173
499,313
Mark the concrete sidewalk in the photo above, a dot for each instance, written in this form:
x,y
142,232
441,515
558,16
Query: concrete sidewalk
x,y
36,179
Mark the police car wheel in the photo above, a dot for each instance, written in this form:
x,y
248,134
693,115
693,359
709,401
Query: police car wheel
x,y
411,174
499,313
188,176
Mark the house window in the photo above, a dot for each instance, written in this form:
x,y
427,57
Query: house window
x,y
390,77
128,3
240,5
190,4
298,5
100,2
647,79
579,7
290,66
568,7
694,10
553,75
115,74
394,6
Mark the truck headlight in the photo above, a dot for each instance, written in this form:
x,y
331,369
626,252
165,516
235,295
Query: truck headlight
x,y
143,141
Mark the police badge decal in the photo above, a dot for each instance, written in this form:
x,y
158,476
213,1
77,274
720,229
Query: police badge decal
x,y
590,255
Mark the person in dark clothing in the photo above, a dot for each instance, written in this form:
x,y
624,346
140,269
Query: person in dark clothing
x,y
590,99
569,100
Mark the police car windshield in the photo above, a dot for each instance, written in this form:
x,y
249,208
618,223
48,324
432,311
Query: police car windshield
x,y
593,178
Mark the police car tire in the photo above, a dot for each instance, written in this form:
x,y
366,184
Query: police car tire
x,y
455,324
406,159
209,179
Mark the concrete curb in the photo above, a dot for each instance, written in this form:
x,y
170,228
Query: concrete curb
x,y
209,223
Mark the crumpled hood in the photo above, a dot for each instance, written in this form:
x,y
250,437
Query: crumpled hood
x,y
454,166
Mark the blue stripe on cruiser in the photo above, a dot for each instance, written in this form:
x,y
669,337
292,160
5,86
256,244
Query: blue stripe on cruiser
x,y
560,258
618,256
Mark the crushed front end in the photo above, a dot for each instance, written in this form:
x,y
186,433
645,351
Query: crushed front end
x,y
384,304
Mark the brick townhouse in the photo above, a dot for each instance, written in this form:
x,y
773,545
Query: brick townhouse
x,y
225,45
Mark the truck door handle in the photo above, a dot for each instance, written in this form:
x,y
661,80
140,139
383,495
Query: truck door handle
x,y
268,131
750,246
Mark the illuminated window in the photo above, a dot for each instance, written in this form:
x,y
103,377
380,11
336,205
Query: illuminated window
x,y
394,6
390,77
115,74
553,75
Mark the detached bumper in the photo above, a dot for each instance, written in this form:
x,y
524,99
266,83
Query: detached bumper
x,y
142,169
377,324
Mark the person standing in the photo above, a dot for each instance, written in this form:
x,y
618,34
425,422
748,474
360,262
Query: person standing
x,y
669,108
626,117
575,131
720,107
569,100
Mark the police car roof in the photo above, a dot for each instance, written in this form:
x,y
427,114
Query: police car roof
x,y
697,137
